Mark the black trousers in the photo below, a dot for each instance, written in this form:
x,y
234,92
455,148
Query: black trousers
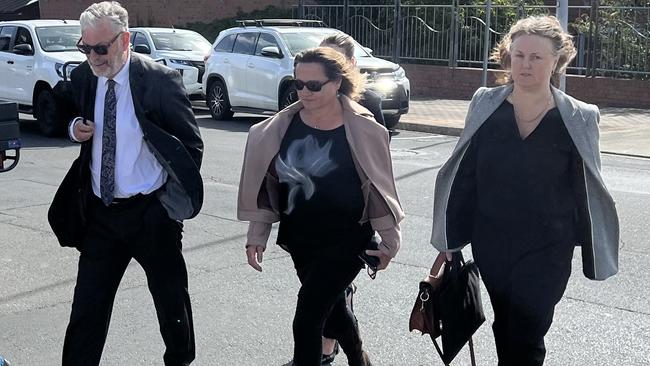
x,y
138,228
525,266
321,308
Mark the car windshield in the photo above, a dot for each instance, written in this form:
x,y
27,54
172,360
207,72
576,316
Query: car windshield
x,y
180,41
298,42
58,38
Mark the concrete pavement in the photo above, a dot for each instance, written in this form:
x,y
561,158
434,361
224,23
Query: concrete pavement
x,y
624,131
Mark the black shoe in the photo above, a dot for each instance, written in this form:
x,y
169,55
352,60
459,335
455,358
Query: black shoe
x,y
326,360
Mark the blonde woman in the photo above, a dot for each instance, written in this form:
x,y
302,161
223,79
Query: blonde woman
x,y
310,168
524,187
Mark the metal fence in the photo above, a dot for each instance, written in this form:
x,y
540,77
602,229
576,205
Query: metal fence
x,y
611,41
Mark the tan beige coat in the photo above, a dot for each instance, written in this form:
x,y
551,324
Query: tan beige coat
x,y
258,189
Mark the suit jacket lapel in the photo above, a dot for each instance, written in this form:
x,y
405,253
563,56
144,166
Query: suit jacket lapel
x,y
136,72
573,120
485,106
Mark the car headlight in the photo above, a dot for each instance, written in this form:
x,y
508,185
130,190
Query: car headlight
x,y
399,73
59,69
180,62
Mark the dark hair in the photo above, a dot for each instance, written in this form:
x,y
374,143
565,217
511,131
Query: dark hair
x,y
342,41
546,26
336,67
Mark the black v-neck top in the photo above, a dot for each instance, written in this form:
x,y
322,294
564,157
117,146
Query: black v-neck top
x,y
518,176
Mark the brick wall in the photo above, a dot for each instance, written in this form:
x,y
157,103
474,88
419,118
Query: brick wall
x,y
162,12
461,83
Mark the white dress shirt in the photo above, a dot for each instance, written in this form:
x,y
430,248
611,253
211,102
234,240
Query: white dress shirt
x,y
136,168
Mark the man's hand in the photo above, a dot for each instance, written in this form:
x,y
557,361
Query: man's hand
x,y
254,254
384,260
83,130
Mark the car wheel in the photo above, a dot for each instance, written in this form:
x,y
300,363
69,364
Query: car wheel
x,y
218,103
391,120
46,114
289,96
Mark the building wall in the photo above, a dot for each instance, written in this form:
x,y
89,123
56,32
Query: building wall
x,y
163,13
27,12
443,82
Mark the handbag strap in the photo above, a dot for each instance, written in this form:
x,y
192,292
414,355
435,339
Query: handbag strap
x,y
437,269
472,357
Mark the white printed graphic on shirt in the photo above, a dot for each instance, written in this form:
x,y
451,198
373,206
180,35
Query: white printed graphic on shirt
x,y
305,159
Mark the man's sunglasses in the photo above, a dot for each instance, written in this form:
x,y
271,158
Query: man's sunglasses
x,y
100,49
312,85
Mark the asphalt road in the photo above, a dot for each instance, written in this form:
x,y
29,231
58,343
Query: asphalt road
x,y
244,318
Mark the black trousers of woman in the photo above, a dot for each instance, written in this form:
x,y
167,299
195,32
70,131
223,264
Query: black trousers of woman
x,y
525,266
324,276
138,228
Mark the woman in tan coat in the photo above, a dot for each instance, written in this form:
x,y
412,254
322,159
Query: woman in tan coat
x,y
322,168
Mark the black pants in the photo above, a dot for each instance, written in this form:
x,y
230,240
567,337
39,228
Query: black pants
x,y
321,308
140,229
525,267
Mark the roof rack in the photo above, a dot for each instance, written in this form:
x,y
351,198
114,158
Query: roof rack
x,y
280,22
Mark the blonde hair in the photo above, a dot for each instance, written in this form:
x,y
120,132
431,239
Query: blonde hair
x,y
337,67
546,26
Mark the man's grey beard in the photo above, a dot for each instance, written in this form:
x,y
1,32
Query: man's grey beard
x,y
112,71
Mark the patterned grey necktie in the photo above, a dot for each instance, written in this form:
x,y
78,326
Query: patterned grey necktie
x,y
107,180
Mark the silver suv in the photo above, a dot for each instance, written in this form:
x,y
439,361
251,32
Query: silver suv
x,y
180,49
250,69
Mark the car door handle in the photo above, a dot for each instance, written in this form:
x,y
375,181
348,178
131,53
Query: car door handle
x,y
251,65
10,62
226,61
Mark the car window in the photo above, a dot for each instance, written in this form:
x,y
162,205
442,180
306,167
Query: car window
x,y
225,45
245,43
58,38
5,37
265,40
298,42
140,39
23,37
180,41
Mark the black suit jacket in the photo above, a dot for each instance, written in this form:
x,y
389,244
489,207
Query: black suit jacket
x,y
170,131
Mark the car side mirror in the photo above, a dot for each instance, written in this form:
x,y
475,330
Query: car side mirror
x,y
271,51
23,49
142,48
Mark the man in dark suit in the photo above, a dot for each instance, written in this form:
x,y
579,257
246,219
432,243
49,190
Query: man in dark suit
x,y
135,180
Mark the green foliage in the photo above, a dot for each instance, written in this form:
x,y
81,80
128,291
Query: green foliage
x,y
619,41
212,29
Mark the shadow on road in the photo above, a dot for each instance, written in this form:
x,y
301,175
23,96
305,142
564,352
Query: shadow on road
x,y
32,137
235,124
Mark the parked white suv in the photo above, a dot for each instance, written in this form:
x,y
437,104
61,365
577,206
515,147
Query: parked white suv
x,y
33,56
180,49
250,69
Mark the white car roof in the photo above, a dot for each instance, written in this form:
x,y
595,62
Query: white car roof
x,y
41,22
285,29
162,30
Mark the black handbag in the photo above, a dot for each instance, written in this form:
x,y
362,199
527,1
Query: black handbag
x,y
450,306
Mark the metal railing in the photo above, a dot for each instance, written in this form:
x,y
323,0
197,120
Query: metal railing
x,y
611,41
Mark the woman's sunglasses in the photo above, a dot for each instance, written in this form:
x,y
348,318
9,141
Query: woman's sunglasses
x,y
312,85
100,49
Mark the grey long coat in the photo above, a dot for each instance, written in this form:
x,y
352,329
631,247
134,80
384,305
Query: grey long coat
x,y
600,250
